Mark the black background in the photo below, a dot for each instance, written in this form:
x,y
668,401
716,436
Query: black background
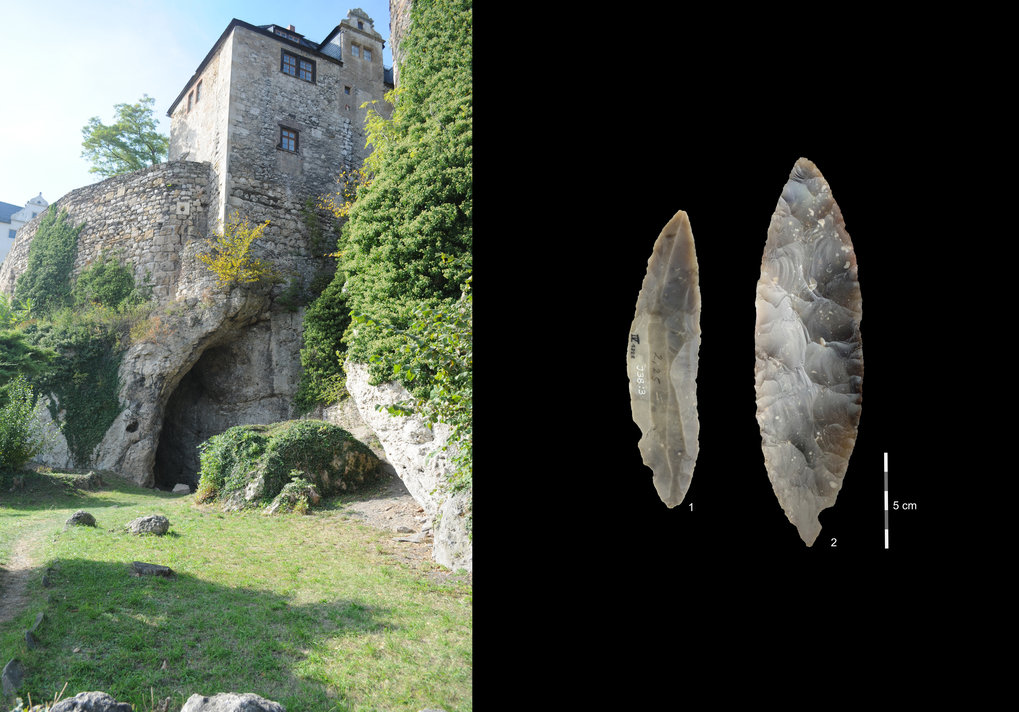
x,y
915,148
598,136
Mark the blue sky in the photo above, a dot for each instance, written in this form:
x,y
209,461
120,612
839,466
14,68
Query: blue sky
x,y
65,61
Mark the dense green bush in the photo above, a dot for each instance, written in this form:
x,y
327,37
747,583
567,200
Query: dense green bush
x,y
250,464
106,282
322,379
13,312
18,356
407,243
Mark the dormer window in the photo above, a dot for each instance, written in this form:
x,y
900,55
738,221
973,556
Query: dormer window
x,y
297,66
360,25
283,33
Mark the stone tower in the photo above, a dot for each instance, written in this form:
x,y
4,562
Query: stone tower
x,y
278,116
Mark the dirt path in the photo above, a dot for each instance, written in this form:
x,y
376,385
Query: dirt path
x,y
14,594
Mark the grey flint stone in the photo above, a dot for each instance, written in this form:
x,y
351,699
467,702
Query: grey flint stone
x,y
661,361
809,353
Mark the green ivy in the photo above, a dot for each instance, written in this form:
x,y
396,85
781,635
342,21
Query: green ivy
x,y
46,280
436,359
82,382
322,379
407,244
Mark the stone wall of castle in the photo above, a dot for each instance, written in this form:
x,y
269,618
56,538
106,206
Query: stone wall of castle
x,y
265,181
144,218
235,124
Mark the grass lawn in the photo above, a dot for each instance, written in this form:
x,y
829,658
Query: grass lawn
x,y
312,611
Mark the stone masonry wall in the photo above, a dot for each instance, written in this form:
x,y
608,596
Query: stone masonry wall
x,y
144,218
199,133
266,182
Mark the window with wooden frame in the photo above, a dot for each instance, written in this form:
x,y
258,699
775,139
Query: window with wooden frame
x,y
288,139
297,66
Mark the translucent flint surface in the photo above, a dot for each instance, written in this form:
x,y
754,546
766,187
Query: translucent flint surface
x,y
661,361
809,372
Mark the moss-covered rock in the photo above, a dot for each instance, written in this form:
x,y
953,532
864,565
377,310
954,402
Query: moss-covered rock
x,y
298,495
249,465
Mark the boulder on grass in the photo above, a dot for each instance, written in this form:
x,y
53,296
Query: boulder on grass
x,y
231,702
81,518
140,568
152,524
91,702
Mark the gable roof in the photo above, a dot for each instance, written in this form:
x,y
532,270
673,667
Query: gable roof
x,y
303,45
7,210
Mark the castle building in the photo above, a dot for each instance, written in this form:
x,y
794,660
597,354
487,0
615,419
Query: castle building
x,y
279,116
266,123
12,217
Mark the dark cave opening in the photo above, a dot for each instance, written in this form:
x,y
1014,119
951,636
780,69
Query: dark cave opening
x,y
177,452
189,420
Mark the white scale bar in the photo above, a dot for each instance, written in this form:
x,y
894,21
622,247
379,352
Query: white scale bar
x,y
886,500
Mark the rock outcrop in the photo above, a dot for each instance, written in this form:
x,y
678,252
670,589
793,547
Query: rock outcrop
x,y
416,452
205,359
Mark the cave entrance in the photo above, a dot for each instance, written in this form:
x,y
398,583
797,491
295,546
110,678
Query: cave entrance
x,y
177,452
190,418
234,383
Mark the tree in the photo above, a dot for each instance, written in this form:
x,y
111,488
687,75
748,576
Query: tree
x,y
129,144
21,437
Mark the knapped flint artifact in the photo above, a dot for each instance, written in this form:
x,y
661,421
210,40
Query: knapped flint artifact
x,y
661,361
809,372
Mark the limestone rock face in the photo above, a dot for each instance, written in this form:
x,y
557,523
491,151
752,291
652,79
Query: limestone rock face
x,y
415,452
151,370
809,370
204,360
